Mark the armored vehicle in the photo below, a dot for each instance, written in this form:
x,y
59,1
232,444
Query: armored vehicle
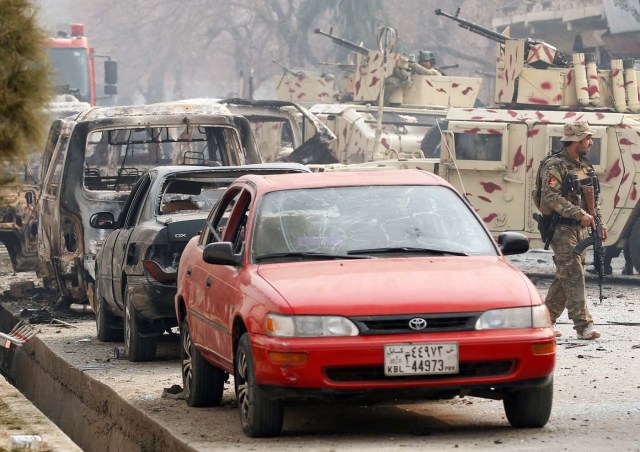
x,y
386,106
492,154
93,160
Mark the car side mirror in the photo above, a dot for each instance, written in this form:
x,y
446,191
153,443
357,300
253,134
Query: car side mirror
x,y
221,253
513,243
102,220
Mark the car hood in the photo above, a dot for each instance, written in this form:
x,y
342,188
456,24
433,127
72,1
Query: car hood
x,y
395,286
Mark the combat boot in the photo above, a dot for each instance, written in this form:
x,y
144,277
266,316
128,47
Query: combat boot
x,y
589,333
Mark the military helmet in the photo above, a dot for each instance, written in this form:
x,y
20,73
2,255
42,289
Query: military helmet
x,y
426,55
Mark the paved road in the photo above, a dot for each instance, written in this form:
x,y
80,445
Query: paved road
x,y
596,401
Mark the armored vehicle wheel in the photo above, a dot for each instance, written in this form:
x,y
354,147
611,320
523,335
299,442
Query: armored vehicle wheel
x,y
529,408
260,416
203,383
105,319
139,348
634,245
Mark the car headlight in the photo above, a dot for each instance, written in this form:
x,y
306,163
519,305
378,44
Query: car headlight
x,y
309,326
527,317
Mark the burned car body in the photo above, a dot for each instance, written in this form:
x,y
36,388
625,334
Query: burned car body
x,y
136,269
20,191
95,158
18,219
285,131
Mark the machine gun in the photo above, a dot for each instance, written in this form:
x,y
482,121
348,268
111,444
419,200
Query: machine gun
x,y
286,70
559,60
344,43
590,194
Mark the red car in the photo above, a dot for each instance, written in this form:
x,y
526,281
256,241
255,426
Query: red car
x,y
360,286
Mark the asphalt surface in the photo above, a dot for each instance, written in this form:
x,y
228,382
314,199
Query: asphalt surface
x,y
127,406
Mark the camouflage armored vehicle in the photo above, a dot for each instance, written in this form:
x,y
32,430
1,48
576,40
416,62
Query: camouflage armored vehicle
x,y
386,107
492,154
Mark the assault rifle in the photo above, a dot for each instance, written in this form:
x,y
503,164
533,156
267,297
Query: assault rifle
x,y
560,59
590,194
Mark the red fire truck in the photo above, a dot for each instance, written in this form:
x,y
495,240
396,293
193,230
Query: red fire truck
x,y
72,60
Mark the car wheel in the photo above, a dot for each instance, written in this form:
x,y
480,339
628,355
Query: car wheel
x,y
203,383
104,319
529,408
139,348
260,416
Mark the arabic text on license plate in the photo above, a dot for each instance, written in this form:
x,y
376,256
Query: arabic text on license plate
x,y
421,359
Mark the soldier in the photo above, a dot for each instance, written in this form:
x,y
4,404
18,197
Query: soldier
x,y
425,65
560,194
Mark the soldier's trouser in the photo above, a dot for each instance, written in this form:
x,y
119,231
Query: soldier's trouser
x,y
568,288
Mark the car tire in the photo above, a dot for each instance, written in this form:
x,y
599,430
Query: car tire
x,y
139,348
260,416
105,319
203,383
529,408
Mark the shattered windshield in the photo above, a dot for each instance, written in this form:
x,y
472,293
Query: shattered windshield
x,y
115,159
191,194
367,220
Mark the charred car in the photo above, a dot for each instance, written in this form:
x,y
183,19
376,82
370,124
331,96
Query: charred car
x,y
20,191
286,131
136,268
96,157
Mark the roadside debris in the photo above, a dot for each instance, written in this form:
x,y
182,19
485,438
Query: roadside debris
x,y
174,392
18,335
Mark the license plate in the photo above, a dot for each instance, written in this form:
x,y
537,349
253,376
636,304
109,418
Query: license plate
x,y
434,358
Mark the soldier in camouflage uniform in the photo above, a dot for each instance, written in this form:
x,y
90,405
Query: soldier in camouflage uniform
x,y
568,287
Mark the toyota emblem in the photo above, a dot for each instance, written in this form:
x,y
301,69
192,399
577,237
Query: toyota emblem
x,y
417,324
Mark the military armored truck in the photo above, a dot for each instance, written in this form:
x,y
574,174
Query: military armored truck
x,y
492,154
385,108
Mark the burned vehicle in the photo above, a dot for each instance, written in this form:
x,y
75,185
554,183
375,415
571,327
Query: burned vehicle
x,y
95,159
136,268
20,191
285,131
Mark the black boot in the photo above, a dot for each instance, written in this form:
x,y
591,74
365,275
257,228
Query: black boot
x,y
628,269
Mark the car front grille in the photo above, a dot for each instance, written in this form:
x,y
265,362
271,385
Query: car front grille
x,y
376,373
400,324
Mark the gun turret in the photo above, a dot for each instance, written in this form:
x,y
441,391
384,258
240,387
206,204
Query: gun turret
x,y
344,43
559,59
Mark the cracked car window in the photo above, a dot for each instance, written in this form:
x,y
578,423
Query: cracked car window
x,y
343,219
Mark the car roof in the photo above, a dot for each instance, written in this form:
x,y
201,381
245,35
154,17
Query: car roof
x,y
204,107
338,178
262,168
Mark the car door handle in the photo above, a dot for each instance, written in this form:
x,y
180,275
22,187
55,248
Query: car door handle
x,y
189,271
209,282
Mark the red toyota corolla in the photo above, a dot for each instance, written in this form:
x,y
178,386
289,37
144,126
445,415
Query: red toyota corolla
x,y
373,286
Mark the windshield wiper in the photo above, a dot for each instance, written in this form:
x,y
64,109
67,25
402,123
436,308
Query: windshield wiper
x,y
308,255
405,249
